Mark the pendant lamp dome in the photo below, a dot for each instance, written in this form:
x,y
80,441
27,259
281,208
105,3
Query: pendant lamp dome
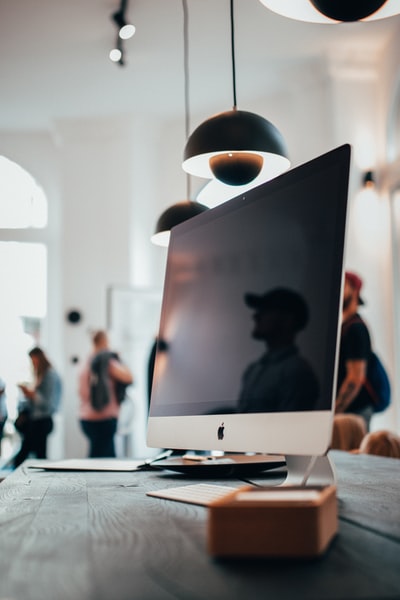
x,y
328,11
186,209
173,215
214,192
236,145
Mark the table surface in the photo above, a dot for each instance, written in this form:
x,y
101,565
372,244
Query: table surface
x,y
95,536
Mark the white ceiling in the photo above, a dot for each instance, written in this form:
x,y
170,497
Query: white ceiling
x,y
54,56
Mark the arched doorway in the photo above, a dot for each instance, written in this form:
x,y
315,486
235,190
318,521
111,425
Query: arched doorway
x,y
23,271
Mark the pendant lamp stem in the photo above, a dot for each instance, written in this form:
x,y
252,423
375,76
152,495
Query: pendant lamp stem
x,y
233,56
186,82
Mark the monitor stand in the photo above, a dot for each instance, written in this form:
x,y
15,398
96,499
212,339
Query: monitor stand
x,y
310,471
228,465
301,470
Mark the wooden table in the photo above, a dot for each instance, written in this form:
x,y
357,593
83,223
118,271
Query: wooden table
x,y
95,536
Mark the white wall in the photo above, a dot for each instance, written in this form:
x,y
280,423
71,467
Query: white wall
x,y
389,144
107,221
355,95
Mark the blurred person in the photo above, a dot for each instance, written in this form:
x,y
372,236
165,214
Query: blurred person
x,y
102,383
157,346
381,443
354,354
348,432
40,401
3,409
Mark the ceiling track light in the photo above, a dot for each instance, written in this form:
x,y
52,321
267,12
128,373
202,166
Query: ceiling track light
x,y
125,31
338,11
119,19
235,146
186,209
117,53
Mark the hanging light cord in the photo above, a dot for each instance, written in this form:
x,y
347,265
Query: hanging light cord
x,y
186,79
233,56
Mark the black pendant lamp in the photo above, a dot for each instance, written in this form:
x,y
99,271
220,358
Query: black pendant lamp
x,y
186,209
235,146
175,214
334,11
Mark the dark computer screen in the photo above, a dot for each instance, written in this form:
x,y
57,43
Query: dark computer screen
x,y
249,320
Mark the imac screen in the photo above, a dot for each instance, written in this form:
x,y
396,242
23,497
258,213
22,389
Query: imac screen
x,y
249,322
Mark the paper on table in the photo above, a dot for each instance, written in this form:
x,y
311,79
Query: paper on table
x,y
90,464
100,464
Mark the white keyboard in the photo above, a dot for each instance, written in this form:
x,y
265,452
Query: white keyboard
x,y
198,493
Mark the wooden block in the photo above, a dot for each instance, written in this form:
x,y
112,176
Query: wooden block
x,y
273,522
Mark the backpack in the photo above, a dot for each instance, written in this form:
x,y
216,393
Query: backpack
x,y
99,381
377,384
120,386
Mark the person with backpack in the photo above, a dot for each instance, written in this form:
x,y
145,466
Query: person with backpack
x,y
102,384
362,384
37,407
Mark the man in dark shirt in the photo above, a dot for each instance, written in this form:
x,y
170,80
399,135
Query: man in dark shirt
x,y
354,354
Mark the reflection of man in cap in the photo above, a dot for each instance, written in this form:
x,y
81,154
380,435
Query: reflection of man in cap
x,y
354,353
281,379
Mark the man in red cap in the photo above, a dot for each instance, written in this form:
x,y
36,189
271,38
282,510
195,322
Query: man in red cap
x,y
354,354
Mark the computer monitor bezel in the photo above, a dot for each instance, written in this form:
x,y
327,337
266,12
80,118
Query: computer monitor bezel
x,y
283,433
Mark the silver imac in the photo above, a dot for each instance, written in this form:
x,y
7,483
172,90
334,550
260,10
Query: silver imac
x,y
250,316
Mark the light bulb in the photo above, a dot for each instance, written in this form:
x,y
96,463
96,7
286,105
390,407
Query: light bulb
x,y
115,55
127,31
236,168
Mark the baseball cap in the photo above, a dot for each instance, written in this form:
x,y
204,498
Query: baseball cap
x,y
281,299
356,283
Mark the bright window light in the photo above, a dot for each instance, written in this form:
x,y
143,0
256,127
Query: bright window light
x,y
23,203
24,267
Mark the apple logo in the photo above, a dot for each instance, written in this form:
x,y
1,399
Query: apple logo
x,y
220,432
